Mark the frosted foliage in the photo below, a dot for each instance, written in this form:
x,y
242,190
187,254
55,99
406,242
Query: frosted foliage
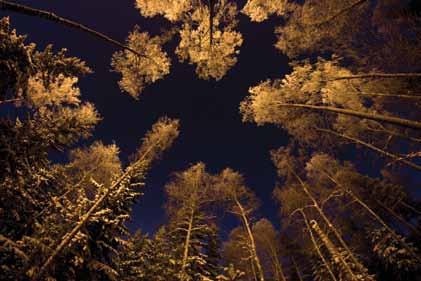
x,y
84,116
260,105
140,71
308,84
60,91
291,198
99,161
264,231
170,9
394,253
188,185
236,251
65,125
214,59
260,10
159,138
321,162
311,24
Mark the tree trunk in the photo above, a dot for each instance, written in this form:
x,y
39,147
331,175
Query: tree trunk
x,y
319,252
325,218
373,214
410,97
252,243
211,16
377,75
11,100
396,134
277,264
26,10
187,243
400,218
377,117
338,14
374,148
409,207
297,269
383,223
336,255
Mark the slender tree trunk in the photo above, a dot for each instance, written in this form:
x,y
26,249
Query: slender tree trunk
x,y
10,101
319,252
277,264
373,214
374,148
211,16
409,207
383,223
399,218
408,97
29,11
297,269
253,268
187,243
336,255
377,117
252,243
325,218
396,134
337,14
377,75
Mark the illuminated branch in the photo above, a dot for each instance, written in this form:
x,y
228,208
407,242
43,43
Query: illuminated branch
x,y
372,147
377,75
377,117
29,11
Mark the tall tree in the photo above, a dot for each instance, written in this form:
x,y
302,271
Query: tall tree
x,y
347,263
242,203
190,195
311,101
268,240
207,32
374,35
235,251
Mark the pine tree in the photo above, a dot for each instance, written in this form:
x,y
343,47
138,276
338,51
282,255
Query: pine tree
x,y
192,233
241,202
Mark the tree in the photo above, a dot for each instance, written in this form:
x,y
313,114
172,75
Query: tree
x,y
120,194
190,195
98,162
137,72
267,239
236,251
42,84
346,261
343,28
207,32
324,169
143,258
242,203
261,10
311,101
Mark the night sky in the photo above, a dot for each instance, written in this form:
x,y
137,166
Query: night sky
x,y
211,126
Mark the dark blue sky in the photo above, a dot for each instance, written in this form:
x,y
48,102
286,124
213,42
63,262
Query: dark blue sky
x,y
211,127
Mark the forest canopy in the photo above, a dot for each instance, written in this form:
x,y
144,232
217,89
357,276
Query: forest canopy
x,y
347,207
